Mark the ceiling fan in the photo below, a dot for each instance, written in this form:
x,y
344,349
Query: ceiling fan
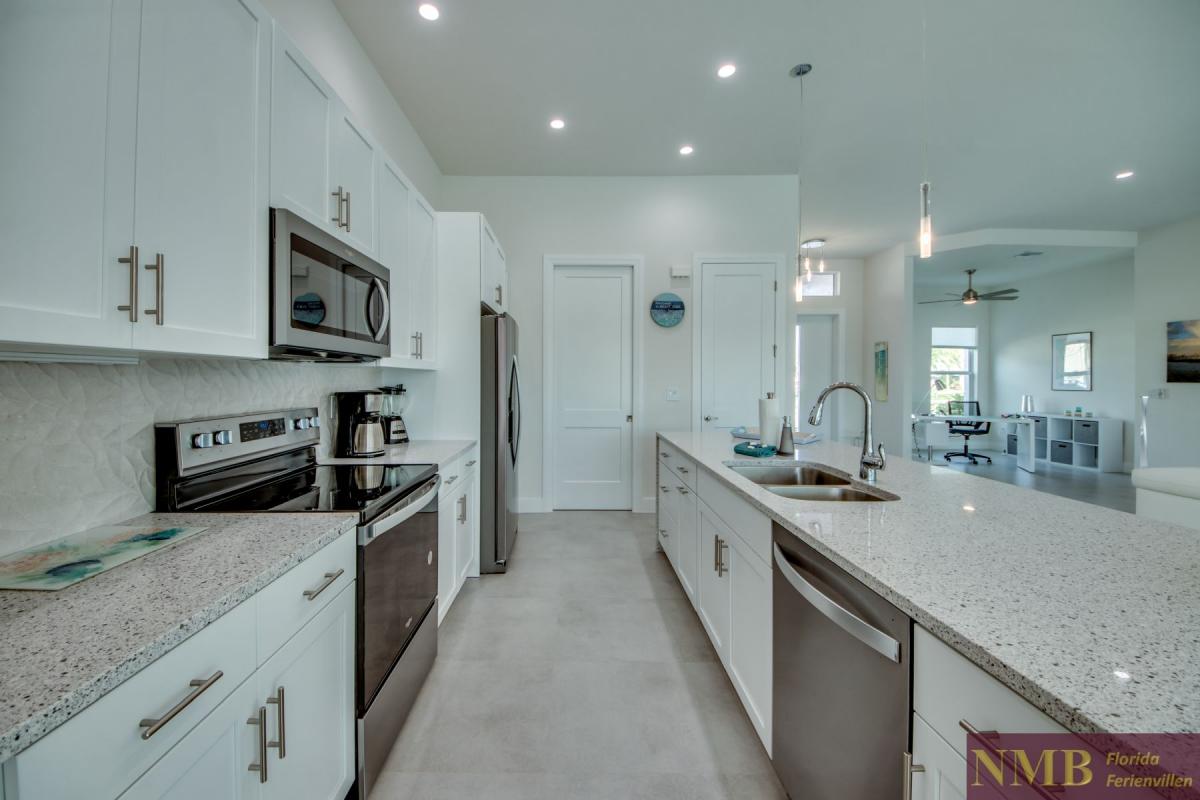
x,y
970,297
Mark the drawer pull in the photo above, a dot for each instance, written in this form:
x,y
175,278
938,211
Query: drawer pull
x,y
986,737
277,700
330,577
681,490
684,470
200,686
910,769
471,463
451,479
260,766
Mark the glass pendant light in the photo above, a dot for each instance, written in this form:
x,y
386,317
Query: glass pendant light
x,y
925,237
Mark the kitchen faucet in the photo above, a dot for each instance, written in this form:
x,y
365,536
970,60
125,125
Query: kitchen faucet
x,y
872,461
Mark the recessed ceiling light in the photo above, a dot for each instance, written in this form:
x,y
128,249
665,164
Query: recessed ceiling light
x,y
968,508
1124,174
558,124
686,150
812,244
726,70
429,11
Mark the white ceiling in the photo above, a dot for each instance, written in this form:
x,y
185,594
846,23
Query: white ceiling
x,y
1000,266
1033,105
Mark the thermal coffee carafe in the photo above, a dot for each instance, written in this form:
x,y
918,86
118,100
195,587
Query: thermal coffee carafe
x,y
358,431
395,403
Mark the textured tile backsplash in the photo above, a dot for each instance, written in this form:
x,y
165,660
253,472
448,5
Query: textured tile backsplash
x,y
77,441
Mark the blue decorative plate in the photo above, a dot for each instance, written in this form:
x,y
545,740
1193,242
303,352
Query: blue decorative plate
x,y
667,310
308,308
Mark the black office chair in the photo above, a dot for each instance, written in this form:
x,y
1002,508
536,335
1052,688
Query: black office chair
x,y
966,428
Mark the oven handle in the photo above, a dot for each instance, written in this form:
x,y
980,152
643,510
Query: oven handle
x,y
408,509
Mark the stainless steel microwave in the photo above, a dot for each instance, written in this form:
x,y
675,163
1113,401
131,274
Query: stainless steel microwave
x,y
329,302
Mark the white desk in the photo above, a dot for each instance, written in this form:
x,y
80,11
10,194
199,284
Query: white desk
x,y
1025,429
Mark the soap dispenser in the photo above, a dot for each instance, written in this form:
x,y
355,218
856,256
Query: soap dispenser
x,y
787,444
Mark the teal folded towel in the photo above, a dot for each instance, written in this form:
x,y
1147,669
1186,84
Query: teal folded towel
x,y
755,450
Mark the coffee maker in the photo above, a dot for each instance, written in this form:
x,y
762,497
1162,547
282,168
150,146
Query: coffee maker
x,y
358,429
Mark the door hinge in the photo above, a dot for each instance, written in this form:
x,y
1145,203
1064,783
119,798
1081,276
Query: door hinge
x,y
774,351
776,286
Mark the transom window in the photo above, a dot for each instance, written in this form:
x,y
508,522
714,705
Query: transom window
x,y
953,366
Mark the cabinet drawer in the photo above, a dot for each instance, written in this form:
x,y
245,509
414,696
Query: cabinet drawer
x,y
683,467
101,751
746,521
283,607
948,688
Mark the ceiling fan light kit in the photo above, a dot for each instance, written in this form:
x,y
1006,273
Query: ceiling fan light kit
x,y
970,297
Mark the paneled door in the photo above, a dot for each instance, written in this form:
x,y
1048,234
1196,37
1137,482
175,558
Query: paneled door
x,y
737,342
68,72
592,388
201,186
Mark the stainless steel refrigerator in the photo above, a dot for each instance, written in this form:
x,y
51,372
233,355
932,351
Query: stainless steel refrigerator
x,y
500,441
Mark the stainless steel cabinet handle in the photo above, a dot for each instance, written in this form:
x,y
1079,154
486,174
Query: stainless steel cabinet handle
x,y
684,470
277,700
462,509
835,612
716,553
722,567
414,345
159,268
260,766
985,738
347,223
471,463
330,577
681,490
132,261
663,531
909,769
201,685
340,195
420,344
500,294
665,455
666,488
451,479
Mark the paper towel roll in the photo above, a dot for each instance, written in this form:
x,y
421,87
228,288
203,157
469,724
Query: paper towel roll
x,y
769,420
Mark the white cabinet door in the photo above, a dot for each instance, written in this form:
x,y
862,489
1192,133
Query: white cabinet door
x,y
714,582
666,514
353,173
493,273
464,529
750,633
945,774
686,546
312,678
423,238
447,585
68,76
394,254
213,760
302,109
201,186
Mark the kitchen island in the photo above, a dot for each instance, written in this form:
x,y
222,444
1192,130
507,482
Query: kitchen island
x,y
1089,614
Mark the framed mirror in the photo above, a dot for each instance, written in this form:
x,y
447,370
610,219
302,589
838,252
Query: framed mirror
x,y
1071,362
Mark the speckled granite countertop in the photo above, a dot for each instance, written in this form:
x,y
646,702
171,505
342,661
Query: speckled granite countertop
x,y
418,451
64,650
1092,615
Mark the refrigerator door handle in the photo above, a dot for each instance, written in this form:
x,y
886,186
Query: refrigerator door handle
x,y
514,410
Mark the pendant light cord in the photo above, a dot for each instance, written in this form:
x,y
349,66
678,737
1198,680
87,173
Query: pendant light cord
x,y
924,94
800,186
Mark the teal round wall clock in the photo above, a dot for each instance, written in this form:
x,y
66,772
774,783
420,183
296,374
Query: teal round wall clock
x,y
667,310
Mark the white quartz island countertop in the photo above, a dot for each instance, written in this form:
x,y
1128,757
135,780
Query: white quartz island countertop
x,y
64,650
1090,614
418,451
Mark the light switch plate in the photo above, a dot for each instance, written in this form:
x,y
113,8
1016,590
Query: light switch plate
x,y
673,394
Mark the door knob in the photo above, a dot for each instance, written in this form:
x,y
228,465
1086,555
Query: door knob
x,y
709,419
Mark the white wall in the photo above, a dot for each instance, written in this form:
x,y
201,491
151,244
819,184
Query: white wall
x,y
665,220
325,38
1167,289
1094,298
848,308
888,317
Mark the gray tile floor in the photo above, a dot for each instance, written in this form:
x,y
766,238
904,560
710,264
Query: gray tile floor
x,y
581,673
1110,489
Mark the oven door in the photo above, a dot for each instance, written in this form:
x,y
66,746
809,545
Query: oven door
x,y
328,300
397,585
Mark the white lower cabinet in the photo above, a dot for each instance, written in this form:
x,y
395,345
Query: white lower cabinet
x,y
749,650
666,519
466,519
945,771
192,723
713,594
686,548
458,529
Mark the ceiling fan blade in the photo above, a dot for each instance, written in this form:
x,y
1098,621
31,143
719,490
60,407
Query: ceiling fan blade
x,y
994,299
999,292
927,302
954,294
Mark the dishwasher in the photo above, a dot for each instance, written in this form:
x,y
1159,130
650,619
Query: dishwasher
x,y
842,681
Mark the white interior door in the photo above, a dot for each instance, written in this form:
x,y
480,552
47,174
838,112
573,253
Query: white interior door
x,y
816,366
737,342
593,387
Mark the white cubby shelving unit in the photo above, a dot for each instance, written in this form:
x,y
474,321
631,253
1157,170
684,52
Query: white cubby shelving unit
x,y
1095,443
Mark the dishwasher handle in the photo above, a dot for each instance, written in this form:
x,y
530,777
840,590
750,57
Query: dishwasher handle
x,y
835,612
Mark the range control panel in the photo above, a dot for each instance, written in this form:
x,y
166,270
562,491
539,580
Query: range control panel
x,y
200,443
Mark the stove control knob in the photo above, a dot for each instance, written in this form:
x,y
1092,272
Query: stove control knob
x,y
202,440
315,421
223,437
300,424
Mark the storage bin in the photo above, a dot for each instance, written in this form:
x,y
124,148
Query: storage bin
x,y
1061,452
1087,431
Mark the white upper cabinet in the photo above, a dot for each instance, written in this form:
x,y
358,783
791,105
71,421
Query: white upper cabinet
x,y
353,176
393,253
68,76
202,168
493,275
172,92
302,111
423,261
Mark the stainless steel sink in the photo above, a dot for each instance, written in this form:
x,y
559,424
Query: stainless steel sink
x,y
810,482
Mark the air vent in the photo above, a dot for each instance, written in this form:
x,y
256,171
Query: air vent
x,y
1029,254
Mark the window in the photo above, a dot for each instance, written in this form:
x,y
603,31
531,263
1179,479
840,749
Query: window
x,y
821,284
953,366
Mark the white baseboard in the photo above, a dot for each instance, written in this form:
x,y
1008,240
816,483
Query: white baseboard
x,y
645,505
